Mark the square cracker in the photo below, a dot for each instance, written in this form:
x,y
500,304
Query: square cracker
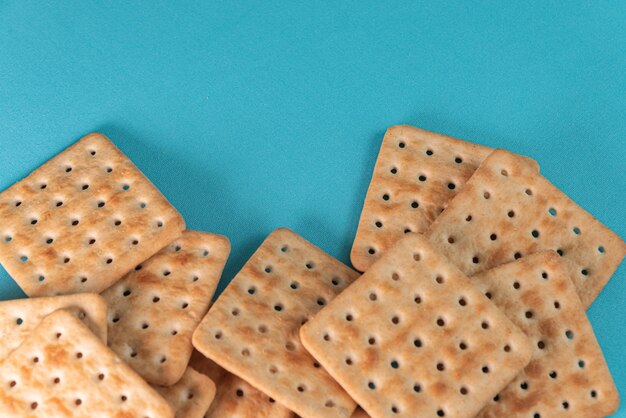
x,y
413,338
252,329
63,370
82,220
508,210
191,396
567,376
235,398
155,308
417,172
19,317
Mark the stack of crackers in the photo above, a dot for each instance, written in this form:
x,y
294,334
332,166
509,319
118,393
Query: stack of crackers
x,y
477,272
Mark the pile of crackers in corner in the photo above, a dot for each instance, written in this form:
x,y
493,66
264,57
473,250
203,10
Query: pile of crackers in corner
x,y
472,274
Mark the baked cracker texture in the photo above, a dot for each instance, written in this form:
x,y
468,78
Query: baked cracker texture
x,y
82,220
413,338
252,328
235,398
19,317
155,308
508,210
63,370
567,376
191,396
417,172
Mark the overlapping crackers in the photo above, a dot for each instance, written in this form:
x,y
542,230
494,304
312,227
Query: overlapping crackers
x,y
63,370
252,329
413,337
417,172
567,375
154,310
82,220
191,396
19,317
508,210
236,398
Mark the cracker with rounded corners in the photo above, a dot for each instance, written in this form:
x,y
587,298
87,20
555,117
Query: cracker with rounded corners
x,y
413,337
19,317
236,398
252,328
507,210
155,308
191,396
567,375
82,220
63,370
416,173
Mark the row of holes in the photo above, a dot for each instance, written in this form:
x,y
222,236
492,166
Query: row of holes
x,y
565,404
81,186
429,152
75,222
422,178
240,394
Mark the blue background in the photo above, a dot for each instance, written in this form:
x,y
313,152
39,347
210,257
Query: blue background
x,y
250,116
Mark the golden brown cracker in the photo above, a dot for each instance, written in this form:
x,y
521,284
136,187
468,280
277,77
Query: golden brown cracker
x,y
417,172
82,220
508,210
413,337
155,308
252,328
63,370
191,396
567,376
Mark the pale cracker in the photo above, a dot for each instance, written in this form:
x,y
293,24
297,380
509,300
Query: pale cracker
x,y
234,397
417,172
191,396
155,308
508,210
412,337
82,220
252,328
19,317
567,376
63,370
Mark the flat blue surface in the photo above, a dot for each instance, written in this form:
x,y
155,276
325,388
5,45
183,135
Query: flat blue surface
x,y
250,116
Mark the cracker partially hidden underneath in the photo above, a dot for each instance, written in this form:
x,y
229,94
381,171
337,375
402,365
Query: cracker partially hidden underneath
x,y
567,376
413,338
19,317
82,220
235,398
417,172
252,328
508,210
63,370
191,396
154,309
